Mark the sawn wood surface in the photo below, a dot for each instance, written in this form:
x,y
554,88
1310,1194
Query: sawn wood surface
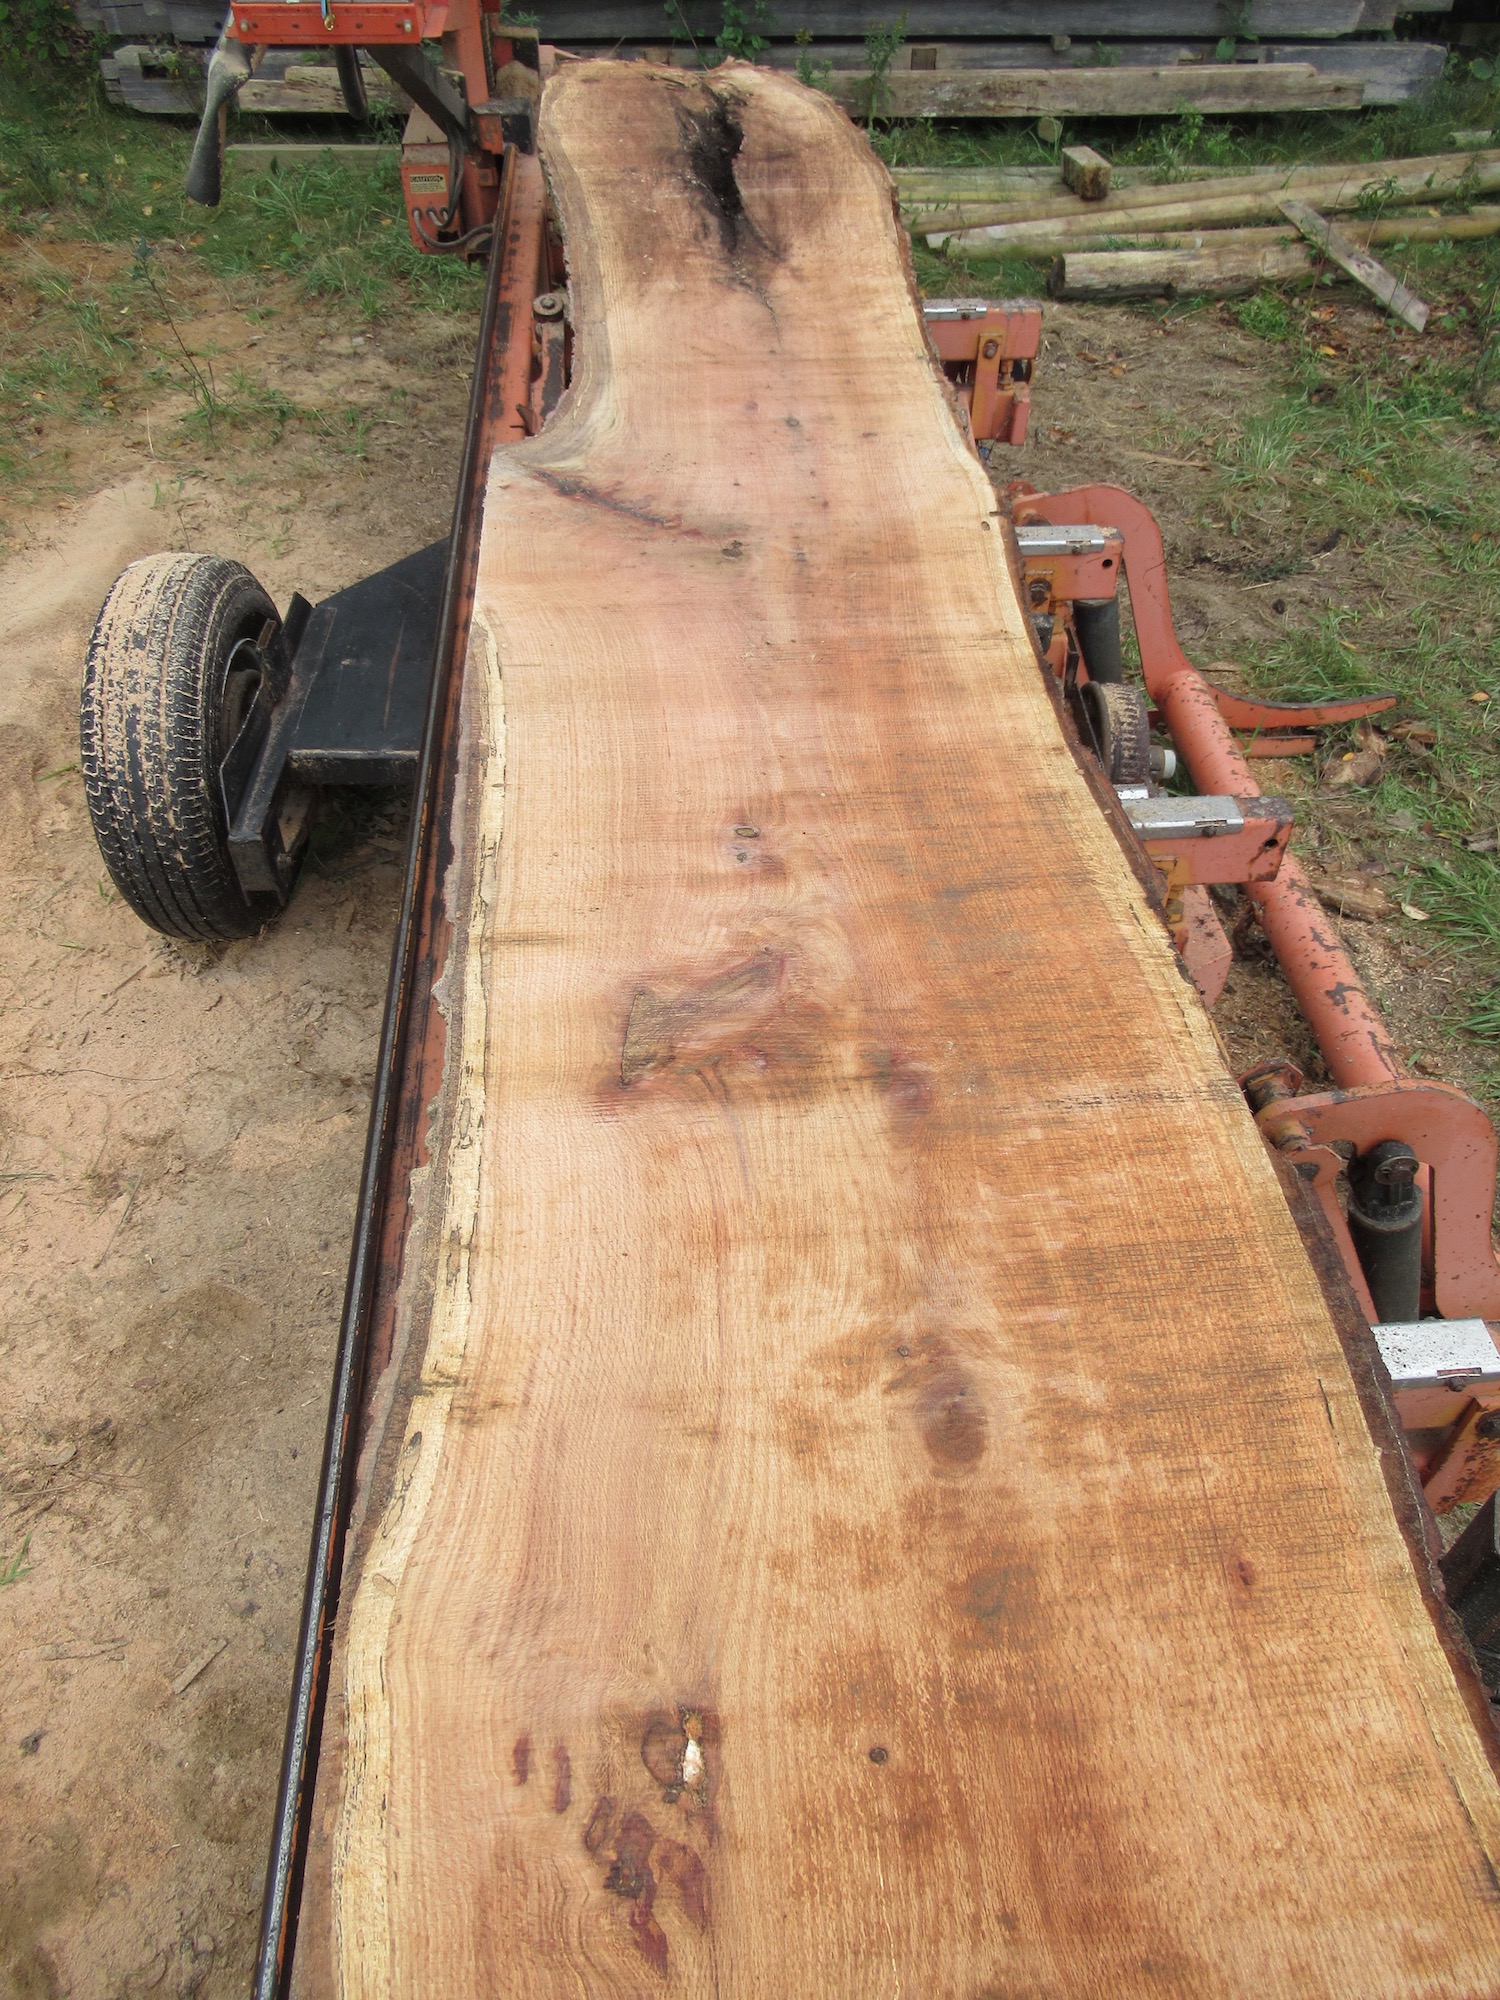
x,y
882,1508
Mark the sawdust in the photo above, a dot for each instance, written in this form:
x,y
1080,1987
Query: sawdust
x,y
180,1136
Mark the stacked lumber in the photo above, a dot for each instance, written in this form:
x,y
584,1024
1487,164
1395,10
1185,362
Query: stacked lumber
x,y
959,58
169,83
872,1498
1032,58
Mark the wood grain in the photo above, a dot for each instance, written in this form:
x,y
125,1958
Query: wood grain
x,y
884,1509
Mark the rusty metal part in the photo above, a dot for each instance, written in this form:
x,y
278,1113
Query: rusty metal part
x,y
459,129
412,1044
288,24
1203,944
1373,1099
1207,840
987,348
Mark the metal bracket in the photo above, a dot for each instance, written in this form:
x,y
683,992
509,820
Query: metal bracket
x,y
342,702
1210,839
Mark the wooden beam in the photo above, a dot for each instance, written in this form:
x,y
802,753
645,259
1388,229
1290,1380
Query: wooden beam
x,y
1086,172
873,1499
1100,93
1388,72
1361,266
612,21
1212,268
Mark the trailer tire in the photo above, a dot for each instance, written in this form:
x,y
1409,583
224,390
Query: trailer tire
x,y
172,668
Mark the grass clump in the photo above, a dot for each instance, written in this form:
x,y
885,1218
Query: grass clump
x,y
1389,453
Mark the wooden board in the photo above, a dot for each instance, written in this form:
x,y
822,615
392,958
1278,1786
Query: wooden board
x,y
1099,92
1360,265
1084,20
1388,72
877,1502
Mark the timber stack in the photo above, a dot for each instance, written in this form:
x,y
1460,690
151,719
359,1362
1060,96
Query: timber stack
x,y
1037,58
943,58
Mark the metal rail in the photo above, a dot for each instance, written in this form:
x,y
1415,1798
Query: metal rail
x,y
501,384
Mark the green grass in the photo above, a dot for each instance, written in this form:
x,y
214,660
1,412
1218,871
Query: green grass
x,y
1393,447
13,1568
107,261
73,167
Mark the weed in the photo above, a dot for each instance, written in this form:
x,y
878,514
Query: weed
x,y
43,34
814,75
1267,315
881,45
681,29
13,1569
1375,197
738,39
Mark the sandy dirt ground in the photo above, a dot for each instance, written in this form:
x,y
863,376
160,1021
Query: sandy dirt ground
x,y
180,1137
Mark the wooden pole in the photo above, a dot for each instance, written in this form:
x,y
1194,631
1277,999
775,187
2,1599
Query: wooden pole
x,y
1476,223
1218,269
1247,199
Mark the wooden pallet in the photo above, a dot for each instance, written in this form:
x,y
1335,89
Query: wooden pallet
x,y
877,1499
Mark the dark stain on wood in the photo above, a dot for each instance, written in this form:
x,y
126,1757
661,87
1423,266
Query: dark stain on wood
x,y
680,1866
664,1033
954,1426
597,1831
663,1746
562,1789
630,1869
520,1758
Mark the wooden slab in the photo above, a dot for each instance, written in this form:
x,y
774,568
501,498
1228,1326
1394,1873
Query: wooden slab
x,y
1100,92
878,1504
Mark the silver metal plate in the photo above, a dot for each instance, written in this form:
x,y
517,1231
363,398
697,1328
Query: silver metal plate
x,y
1035,538
1164,818
974,308
1437,1353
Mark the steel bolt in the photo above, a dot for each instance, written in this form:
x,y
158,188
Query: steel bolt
x,y
550,305
990,349
1488,1426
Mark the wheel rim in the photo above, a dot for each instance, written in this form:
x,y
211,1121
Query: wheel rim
x,y
242,678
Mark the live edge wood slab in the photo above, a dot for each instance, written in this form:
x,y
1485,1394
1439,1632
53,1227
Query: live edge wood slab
x,y
878,1504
